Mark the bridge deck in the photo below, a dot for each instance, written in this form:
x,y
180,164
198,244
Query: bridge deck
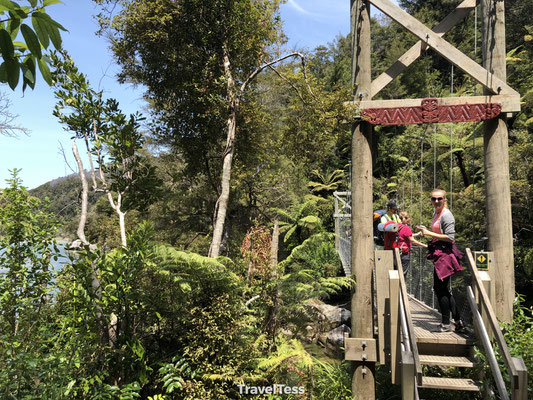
x,y
426,322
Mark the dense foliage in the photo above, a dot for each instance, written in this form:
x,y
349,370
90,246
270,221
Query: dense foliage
x,y
153,317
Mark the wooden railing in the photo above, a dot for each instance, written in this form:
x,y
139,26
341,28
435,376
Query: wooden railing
x,y
517,375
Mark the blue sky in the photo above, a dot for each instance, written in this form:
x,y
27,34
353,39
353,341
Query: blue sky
x,y
307,23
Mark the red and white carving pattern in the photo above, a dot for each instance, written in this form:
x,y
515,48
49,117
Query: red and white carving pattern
x,y
431,112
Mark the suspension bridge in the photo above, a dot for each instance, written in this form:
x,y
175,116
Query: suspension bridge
x,y
393,318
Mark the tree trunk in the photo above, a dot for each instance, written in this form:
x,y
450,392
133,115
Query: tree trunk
x,y
461,165
222,202
272,313
95,282
121,216
274,246
84,195
122,224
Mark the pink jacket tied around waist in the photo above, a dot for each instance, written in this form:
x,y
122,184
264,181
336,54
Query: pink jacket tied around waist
x,y
446,258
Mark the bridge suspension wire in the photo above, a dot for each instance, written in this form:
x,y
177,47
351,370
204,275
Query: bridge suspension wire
x,y
451,146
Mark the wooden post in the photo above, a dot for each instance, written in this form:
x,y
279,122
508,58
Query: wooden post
x,y
395,341
498,194
363,380
488,284
384,263
520,392
408,376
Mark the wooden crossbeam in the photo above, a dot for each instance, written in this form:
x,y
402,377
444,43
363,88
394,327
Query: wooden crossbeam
x,y
445,49
509,103
420,47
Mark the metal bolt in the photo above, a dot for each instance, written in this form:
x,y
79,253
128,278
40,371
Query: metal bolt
x,y
427,36
363,344
363,371
499,88
364,357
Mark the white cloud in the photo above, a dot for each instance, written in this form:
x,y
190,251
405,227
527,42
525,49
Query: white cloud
x,y
298,8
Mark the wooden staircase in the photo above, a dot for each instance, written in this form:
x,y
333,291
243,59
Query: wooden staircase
x,y
443,350
420,357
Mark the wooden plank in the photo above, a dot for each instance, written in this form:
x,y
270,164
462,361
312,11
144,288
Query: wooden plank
x,y
447,361
408,376
509,103
487,284
394,293
357,349
418,48
383,263
445,49
432,382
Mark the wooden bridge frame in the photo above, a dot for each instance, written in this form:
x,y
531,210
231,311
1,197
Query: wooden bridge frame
x,y
492,75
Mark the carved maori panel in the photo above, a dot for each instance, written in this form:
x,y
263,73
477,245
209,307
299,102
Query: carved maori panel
x,y
431,112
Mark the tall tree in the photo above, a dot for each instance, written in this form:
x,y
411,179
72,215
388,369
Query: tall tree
x,y
197,58
111,137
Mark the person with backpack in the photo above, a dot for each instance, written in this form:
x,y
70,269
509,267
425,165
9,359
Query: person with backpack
x,y
391,215
382,217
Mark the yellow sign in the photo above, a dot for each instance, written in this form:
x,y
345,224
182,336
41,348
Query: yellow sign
x,y
482,261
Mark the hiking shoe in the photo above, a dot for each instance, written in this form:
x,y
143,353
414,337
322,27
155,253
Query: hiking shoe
x,y
459,326
444,328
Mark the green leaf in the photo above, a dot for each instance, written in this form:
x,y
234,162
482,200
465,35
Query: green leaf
x,y
45,17
3,73
45,71
13,26
13,73
8,5
28,73
20,12
6,45
31,40
20,46
47,3
55,37
48,27
40,28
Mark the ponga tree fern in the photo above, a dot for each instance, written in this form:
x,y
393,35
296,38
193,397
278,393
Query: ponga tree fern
x,y
301,221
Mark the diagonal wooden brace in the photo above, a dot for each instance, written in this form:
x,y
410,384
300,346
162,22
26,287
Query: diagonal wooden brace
x,y
445,49
418,48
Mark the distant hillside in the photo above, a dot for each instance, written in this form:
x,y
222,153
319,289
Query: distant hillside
x,y
65,196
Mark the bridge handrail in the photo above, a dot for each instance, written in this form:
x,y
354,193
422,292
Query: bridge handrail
x,y
410,326
493,321
485,341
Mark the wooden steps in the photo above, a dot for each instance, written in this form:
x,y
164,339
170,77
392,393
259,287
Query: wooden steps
x,y
442,349
432,382
447,361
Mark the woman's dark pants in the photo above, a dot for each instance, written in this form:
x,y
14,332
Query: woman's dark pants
x,y
446,300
